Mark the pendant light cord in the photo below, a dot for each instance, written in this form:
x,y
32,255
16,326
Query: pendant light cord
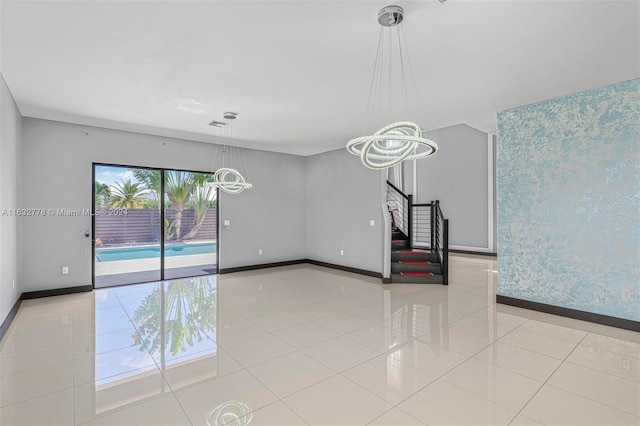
x,y
374,78
413,77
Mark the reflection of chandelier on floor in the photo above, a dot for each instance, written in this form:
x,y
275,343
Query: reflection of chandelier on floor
x,y
397,141
236,413
228,178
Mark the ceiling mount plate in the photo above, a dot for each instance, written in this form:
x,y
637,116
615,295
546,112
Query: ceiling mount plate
x,y
215,123
230,115
390,16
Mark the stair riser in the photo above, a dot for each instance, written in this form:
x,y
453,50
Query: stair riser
x,y
398,236
404,267
414,256
399,246
435,279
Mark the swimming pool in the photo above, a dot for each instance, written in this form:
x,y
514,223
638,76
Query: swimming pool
x,y
150,252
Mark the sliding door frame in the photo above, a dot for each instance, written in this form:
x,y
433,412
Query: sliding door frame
x,y
162,171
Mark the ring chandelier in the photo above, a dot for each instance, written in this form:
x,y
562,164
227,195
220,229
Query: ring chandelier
x,y
401,140
229,179
391,145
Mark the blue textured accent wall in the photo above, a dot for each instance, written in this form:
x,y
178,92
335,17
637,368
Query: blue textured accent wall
x,y
568,201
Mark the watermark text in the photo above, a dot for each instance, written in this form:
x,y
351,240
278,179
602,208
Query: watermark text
x,y
63,212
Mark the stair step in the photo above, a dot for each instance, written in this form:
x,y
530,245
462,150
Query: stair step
x,y
398,235
416,274
398,244
415,266
416,279
402,255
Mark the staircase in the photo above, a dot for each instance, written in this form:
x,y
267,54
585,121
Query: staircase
x,y
419,240
413,265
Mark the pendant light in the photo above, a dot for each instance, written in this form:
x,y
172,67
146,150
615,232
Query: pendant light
x,y
228,177
400,140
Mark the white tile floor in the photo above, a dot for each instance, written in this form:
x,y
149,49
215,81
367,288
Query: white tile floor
x,y
307,345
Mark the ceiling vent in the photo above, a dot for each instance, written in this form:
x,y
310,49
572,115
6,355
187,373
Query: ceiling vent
x,y
215,123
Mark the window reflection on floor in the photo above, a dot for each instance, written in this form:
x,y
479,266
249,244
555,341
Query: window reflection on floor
x,y
169,325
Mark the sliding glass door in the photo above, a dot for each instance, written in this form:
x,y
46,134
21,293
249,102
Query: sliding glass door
x,y
152,224
190,237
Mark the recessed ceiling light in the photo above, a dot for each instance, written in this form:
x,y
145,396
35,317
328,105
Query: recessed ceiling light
x,y
215,123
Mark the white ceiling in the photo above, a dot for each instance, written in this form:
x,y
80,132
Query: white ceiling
x,y
299,71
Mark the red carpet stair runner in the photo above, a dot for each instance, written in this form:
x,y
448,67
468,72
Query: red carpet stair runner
x,y
412,265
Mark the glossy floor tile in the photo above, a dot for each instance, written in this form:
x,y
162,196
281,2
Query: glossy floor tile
x,y
337,401
445,404
508,389
306,345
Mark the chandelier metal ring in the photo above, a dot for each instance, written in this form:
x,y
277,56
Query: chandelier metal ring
x,y
391,145
230,181
230,412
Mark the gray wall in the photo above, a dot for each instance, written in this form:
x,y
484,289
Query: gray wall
x,y
270,216
342,196
10,198
458,176
58,161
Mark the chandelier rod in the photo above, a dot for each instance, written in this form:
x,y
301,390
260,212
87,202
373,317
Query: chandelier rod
x,y
373,81
413,77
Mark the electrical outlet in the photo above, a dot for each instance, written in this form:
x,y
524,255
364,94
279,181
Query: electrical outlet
x,y
341,252
626,294
372,222
626,364
65,270
259,251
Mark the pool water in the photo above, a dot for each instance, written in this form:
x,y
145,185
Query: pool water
x,y
150,252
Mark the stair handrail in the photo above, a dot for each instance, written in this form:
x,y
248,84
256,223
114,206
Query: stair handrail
x,y
439,232
397,190
387,224
404,210
440,238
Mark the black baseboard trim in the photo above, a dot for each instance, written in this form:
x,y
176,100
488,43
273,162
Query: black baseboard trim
x,y
261,266
570,313
12,314
477,253
344,268
56,292
301,262
386,280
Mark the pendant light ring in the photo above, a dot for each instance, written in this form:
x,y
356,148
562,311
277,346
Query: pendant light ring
x,y
391,145
230,181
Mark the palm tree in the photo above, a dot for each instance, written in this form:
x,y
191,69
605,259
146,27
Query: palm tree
x,y
201,200
151,181
185,309
177,186
127,195
102,194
